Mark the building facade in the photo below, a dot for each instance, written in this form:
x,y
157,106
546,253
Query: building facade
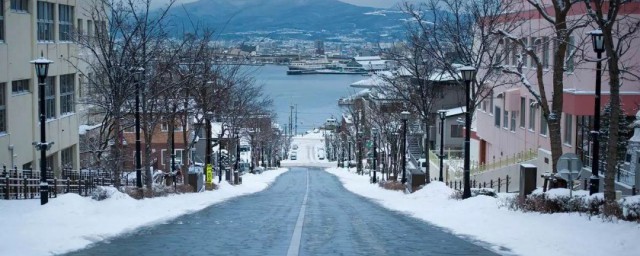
x,y
510,122
30,29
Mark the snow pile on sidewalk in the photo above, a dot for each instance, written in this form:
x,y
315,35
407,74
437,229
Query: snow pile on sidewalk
x,y
71,222
483,218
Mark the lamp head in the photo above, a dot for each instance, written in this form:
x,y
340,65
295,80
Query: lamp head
x,y
442,114
468,73
405,115
42,66
597,39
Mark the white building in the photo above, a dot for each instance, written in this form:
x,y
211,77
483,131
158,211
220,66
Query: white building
x,y
27,30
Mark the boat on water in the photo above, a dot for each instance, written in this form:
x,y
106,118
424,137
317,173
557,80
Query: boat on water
x,y
326,72
312,64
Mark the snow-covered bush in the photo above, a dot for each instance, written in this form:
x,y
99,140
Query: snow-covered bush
x,y
483,192
560,200
103,192
630,208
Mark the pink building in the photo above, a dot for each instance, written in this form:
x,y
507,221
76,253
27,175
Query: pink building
x,y
510,121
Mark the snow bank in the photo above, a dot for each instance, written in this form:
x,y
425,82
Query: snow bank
x,y
71,222
483,219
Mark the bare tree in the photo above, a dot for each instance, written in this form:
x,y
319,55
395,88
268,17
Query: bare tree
x,y
620,32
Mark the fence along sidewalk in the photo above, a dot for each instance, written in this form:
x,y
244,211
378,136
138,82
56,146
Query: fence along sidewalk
x,y
25,184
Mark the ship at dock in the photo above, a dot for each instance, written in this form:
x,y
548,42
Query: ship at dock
x,y
354,66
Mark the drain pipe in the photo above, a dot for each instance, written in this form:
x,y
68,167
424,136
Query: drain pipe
x,y
12,155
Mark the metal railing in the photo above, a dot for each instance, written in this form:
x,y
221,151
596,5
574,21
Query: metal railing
x,y
504,161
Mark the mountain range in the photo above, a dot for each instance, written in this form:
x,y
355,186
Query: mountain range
x,y
312,18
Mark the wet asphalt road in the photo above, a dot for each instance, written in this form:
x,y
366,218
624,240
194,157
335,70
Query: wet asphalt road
x,y
335,222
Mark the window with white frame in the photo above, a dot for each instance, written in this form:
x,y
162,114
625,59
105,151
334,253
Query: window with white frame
x,y
545,52
523,108
67,91
66,157
45,21
525,60
514,115
89,28
532,114
3,108
490,100
505,119
20,86
50,97
570,64
456,130
568,128
496,118
1,20
65,22
20,5
164,126
543,125
80,26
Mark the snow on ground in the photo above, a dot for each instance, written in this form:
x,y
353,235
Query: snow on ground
x,y
71,222
485,220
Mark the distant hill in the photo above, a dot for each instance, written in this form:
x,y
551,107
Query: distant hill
x,y
311,18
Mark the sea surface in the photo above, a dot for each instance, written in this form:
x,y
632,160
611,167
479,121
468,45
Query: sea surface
x,y
316,96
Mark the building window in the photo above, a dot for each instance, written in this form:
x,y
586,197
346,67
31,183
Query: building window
x,y
456,131
514,115
66,158
484,105
532,114
525,60
65,22
490,100
89,28
45,21
507,51
80,26
67,90
3,108
570,51
1,20
514,54
496,118
505,120
523,108
20,5
545,52
164,126
568,128
543,125
20,86
50,97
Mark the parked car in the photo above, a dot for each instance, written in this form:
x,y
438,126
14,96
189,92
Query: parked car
x,y
295,146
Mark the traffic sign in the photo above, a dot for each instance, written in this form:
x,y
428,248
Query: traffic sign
x,y
209,177
569,166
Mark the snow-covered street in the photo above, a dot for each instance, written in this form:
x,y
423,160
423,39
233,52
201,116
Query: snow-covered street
x,y
71,222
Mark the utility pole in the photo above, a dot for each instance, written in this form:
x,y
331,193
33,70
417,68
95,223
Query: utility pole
x,y
296,123
291,121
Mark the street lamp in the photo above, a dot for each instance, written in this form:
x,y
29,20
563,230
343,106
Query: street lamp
x,y
598,47
237,164
348,154
374,131
42,68
137,76
443,115
468,74
220,156
405,116
207,158
359,156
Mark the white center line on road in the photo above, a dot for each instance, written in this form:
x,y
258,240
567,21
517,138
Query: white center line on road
x,y
294,246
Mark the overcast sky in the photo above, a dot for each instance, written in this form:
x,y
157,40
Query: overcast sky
x,y
370,3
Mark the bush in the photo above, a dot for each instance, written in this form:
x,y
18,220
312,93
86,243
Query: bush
x,y
457,194
557,200
392,185
102,193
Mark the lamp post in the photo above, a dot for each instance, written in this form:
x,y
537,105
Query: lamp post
x,y
348,154
359,157
237,163
207,158
137,76
220,157
375,155
173,141
42,68
468,74
443,115
405,116
598,47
